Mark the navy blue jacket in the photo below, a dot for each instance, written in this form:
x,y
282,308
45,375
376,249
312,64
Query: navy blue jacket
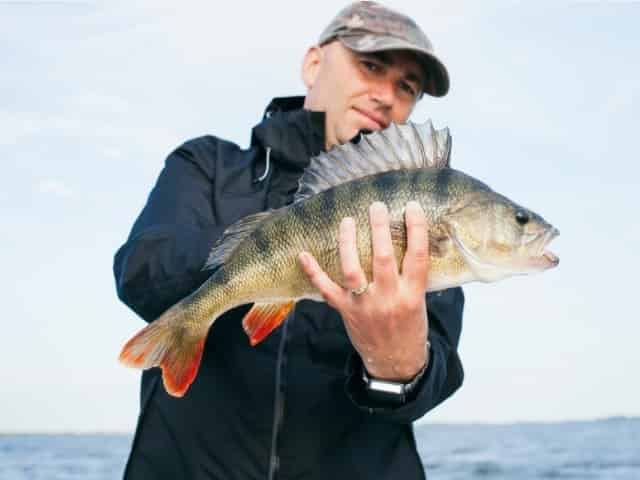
x,y
293,407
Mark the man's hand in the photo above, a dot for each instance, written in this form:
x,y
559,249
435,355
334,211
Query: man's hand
x,y
387,324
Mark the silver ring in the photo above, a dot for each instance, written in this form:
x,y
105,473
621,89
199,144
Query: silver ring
x,y
360,290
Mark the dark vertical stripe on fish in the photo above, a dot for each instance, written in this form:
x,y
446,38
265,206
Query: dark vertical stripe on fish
x,y
263,243
442,184
222,276
385,184
307,213
416,179
329,201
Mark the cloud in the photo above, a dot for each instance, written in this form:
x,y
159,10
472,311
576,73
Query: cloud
x,y
52,186
99,103
16,125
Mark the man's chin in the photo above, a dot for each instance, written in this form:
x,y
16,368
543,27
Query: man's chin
x,y
358,136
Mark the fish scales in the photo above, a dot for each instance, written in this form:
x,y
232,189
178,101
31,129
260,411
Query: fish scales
x,y
267,261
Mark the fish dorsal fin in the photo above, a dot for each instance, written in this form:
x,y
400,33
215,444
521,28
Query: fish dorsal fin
x,y
398,147
232,236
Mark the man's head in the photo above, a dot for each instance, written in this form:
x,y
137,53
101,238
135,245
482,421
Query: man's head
x,y
370,67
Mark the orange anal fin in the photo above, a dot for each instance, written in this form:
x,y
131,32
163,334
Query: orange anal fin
x,y
263,318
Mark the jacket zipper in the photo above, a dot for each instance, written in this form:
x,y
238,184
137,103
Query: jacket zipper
x,y
278,406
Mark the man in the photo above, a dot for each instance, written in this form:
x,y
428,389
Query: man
x,y
334,391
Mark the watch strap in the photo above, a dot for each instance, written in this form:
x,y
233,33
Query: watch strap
x,y
390,392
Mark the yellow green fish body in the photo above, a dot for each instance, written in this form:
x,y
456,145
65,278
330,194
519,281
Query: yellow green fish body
x,y
475,234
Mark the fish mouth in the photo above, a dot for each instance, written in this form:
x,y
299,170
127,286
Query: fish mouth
x,y
543,257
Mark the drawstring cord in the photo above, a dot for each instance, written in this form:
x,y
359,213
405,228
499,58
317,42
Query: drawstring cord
x,y
266,170
267,114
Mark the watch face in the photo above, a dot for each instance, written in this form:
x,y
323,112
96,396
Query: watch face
x,y
387,387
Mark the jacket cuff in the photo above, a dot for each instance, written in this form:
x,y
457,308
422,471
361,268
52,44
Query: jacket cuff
x,y
426,394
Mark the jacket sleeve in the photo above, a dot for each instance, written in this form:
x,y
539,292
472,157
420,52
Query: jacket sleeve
x,y
162,260
444,373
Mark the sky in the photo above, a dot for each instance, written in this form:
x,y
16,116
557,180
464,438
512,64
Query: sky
x,y
543,107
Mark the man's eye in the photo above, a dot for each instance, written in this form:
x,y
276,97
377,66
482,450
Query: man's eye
x,y
371,66
407,88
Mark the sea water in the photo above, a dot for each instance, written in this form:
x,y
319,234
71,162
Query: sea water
x,y
603,450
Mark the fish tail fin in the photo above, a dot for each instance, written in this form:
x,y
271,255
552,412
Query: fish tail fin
x,y
168,343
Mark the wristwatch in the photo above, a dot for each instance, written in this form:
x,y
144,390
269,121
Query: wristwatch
x,y
395,393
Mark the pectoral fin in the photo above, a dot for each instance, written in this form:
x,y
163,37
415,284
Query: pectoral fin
x,y
439,240
399,234
263,318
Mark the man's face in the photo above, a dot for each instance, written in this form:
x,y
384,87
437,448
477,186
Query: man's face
x,y
360,91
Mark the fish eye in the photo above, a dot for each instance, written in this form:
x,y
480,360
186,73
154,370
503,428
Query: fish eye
x,y
522,217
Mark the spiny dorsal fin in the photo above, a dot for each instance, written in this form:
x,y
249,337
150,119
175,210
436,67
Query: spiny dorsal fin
x,y
232,236
398,147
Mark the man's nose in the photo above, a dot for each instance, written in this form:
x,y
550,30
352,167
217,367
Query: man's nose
x,y
383,91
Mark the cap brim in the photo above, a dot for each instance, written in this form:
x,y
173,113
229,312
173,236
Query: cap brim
x,y
435,73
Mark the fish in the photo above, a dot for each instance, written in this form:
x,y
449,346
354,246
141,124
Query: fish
x,y
475,234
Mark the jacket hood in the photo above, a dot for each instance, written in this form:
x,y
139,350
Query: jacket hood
x,y
293,133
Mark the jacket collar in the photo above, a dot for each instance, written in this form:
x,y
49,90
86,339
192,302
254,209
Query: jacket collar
x,y
293,134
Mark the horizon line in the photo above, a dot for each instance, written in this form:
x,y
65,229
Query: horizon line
x,y
419,424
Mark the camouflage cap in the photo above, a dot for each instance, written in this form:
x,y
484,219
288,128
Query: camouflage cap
x,y
370,27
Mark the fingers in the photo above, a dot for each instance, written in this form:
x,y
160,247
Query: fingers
x,y
385,269
354,277
415,265
331,291
386,277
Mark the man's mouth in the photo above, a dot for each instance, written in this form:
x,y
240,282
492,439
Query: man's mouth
x,y
372,122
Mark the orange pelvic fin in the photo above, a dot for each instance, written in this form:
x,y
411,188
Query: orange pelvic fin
x,y
167,345
263,318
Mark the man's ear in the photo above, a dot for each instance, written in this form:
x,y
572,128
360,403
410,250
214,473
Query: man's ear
x,y
311,65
